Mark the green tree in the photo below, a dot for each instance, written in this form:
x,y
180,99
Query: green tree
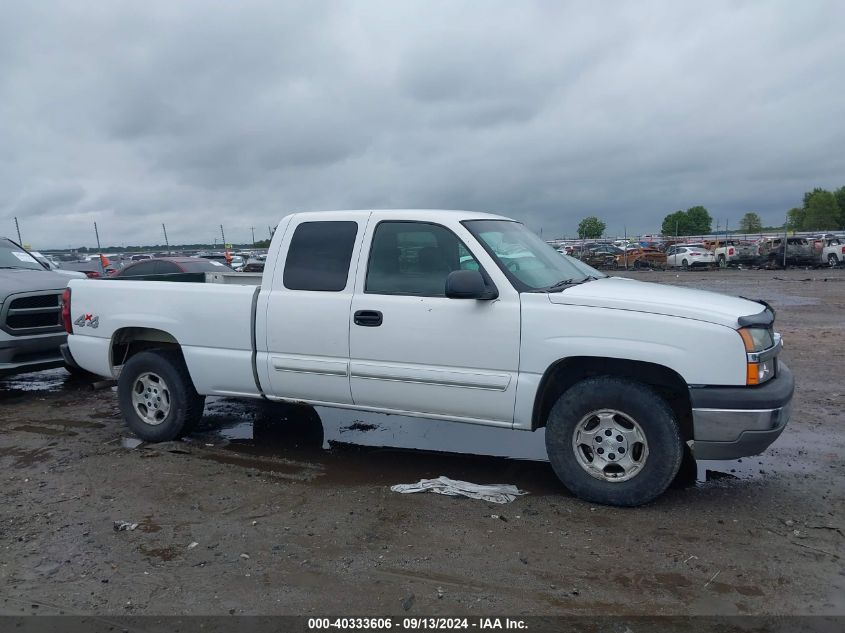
x,y
809,194
591,228
822,212
751,223
699,220
839,194
676,223
795,218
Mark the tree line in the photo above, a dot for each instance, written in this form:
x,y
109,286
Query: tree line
x,y
821,210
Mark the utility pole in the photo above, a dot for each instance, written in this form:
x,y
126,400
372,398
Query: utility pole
x,y
166,241
252,228
97,233
785,237
625,246
223,236
18,229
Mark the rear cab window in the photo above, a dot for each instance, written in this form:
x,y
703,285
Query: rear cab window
x,y
319,255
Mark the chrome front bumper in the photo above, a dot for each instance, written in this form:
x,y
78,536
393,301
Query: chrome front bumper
x,y
734,422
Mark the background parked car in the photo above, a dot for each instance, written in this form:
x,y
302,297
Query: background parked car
x,y
178,267
642,257
51,264
600,256
31,331
237,263
799,252
737,253
829,249
689,256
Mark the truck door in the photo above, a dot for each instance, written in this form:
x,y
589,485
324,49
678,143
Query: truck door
x,y
307,309
414,350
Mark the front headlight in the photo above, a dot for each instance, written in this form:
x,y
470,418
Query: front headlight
x,y
761,348
757,339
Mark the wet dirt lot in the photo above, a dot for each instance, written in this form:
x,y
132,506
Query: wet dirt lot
x,y
274,511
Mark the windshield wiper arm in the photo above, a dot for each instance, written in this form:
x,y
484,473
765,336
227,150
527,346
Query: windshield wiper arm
x,y
561,285
566,283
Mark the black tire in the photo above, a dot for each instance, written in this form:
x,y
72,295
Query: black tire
x,y
832,261
184,404
723,263
640,403
685,264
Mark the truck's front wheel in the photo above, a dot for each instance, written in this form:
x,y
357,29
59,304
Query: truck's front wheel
x,y
614,441
157,398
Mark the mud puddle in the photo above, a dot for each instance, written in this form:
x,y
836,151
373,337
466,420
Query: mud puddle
x,y
356,447
50,380
338,447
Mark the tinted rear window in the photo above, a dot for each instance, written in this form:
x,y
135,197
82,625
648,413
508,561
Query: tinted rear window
x,y
319,255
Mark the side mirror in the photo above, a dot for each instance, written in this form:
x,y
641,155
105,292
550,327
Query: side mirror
x,y
468,284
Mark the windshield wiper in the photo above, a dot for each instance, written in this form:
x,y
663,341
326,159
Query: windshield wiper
x,y
566,283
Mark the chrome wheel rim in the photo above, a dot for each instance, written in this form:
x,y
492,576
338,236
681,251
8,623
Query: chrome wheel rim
x,y
151,398
610,445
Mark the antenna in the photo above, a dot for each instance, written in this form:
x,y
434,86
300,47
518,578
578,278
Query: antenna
x,y
18,229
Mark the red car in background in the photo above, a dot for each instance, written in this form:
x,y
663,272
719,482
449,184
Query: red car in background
x,y
169,266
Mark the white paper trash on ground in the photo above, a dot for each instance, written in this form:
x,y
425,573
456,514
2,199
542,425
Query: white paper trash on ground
x,y
497,493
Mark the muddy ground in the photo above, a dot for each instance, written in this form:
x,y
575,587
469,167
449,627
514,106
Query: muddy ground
x,y
254,515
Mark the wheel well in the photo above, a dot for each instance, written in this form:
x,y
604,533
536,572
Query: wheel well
x,y
126,342
565,373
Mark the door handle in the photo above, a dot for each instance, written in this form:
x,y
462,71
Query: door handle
x,y
368,318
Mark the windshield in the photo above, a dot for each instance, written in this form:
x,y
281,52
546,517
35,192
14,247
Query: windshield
x,y
13,256
529,263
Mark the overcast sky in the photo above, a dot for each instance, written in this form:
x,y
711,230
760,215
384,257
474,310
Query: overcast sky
x,y
199,113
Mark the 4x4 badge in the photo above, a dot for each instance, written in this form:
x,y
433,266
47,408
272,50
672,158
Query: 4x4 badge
x,y
87,319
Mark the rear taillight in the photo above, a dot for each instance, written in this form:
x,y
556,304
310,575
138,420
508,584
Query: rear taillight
x,y
66,322
843,250
730,251
697,254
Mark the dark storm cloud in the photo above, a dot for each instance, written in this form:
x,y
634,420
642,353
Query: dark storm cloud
x,y
201,113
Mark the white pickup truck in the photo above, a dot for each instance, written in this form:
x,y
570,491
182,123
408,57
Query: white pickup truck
x,y
451,315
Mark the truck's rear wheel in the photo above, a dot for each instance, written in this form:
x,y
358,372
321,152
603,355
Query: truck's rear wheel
x,y
157,398
614,441
832,261
723,263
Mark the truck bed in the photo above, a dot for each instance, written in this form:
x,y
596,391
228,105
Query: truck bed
x,y
211,322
